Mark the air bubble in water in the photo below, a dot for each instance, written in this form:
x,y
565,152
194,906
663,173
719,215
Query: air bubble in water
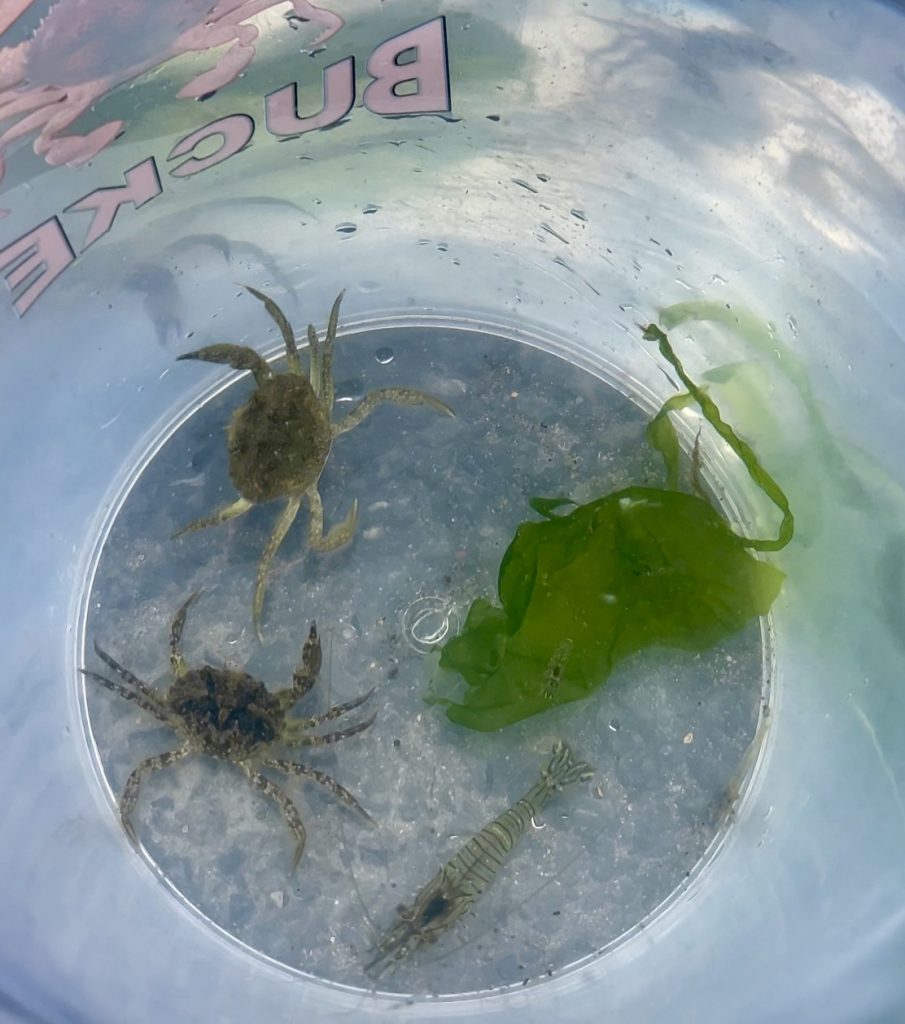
x,y
428,621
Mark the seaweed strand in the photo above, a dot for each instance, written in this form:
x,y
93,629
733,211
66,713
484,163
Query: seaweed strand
x,y
741,448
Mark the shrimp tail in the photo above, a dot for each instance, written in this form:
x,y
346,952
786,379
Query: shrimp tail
x,y
564,768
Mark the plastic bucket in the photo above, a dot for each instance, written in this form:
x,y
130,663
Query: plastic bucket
x,y
505,192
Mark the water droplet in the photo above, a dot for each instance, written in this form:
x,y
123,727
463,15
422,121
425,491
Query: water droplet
x,y
793,325
614,725
369,287
348,391
346,227
427,622
384,355
370,208
579,215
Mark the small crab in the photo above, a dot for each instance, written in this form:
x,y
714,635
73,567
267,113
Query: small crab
x,y
280,439
228,714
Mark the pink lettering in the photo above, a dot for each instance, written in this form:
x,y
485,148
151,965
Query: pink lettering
x,y
281,107
425,76
37,259
142,185
235,133
409,75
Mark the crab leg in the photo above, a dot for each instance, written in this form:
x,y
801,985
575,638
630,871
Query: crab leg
x,y
290,812
145,702
285,520
295,734
305,674
400,396
335,712
327,366
314,363
239,357
279,318
338,535
177,662
150,700
236,508
130,793
328,782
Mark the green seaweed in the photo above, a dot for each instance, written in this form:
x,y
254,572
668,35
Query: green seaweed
x,y
580,591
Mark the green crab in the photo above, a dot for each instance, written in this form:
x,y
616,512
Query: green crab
x,y
228,714
280,439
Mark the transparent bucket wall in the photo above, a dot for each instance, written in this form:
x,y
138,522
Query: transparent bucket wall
x,y
732,171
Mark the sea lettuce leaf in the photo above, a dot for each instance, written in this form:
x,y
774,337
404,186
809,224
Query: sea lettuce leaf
x,y
580,591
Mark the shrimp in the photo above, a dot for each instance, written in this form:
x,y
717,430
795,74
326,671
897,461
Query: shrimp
x,y
451,892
